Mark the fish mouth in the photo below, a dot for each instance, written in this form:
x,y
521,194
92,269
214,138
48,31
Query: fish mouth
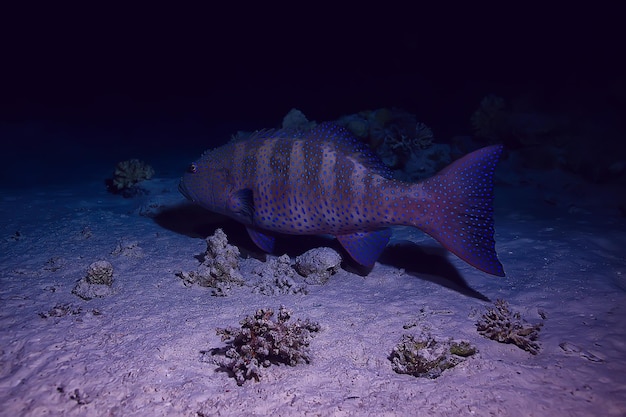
x,y
182,188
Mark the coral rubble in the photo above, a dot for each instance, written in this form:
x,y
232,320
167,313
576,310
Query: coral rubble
x,y
501,324
277,276
427,356
220,267
317,265
97,283
261,342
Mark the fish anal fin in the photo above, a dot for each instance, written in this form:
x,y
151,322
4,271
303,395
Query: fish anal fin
x,y
365,247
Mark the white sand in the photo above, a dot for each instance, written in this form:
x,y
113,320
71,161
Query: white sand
x,y
138,351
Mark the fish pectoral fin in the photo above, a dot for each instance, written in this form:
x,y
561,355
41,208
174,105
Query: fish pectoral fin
x,y
365,247
242,203
263,241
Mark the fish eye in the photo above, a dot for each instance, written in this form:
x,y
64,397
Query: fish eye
x,y
192,168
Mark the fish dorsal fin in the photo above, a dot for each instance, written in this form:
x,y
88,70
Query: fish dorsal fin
x,y
263,241
365,247
288,133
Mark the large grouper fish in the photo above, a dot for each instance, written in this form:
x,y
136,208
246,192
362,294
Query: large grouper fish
x,y
326,181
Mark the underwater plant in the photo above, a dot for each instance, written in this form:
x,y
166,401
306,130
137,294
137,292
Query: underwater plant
x,y
501,324
262,341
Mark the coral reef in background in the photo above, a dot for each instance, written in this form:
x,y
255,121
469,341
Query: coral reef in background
x,y
220,267
495,122
489,119
127,176
295,119
97,283
394,134
262,341
565,151
501,324
548,138
403,144
427,356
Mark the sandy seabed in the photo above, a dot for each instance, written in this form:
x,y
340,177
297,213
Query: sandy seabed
x,y
142,349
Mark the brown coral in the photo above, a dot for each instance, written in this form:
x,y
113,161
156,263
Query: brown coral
x,y
127,175
261,342
504,326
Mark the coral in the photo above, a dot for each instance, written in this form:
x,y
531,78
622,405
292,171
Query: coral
x,y
101,273
494,122
423,138
295,119
261,342
66,309
97,283
277,277
61,310
220,267
489,118
127,175
356,124
400,139
427,356
317,265
381,116
504,326
128,248
425,163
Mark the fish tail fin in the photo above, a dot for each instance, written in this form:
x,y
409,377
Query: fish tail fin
x,y
457,208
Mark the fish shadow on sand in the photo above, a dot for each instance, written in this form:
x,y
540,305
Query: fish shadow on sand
x,y
427,263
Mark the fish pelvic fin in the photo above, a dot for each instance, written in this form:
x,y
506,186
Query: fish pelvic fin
x,y
365,247
459,209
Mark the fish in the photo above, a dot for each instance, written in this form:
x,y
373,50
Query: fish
x,y
325,181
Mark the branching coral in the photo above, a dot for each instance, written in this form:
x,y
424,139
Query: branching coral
x,y
261,342
127,175
489,118
504,326
427,356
